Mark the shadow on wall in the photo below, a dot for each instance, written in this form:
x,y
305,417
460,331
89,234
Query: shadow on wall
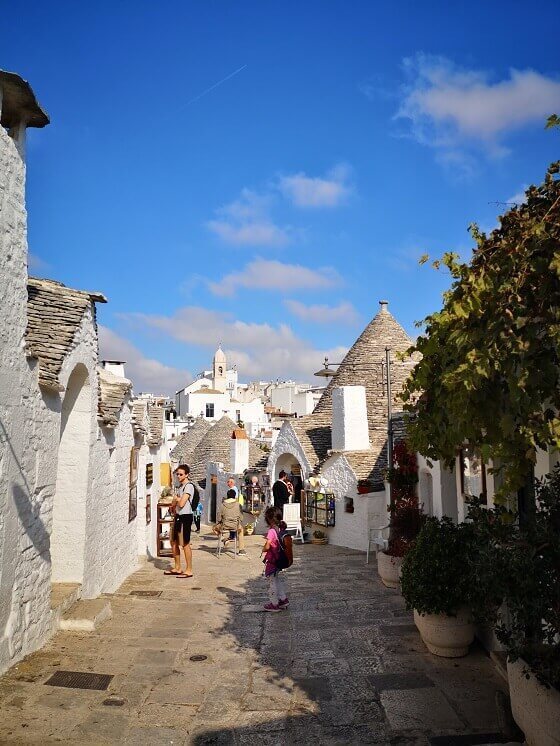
x,y
300,688
30,517
28,512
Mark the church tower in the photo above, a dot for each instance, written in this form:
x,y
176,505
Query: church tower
x,y
219,379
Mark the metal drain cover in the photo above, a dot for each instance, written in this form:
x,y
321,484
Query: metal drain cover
x,y
198,658
145,594
80,680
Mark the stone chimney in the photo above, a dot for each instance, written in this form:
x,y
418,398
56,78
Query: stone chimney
x,y
239,451
116,367
349,419
384,306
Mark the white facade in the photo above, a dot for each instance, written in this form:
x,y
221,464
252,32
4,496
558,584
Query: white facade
x,y
64,471
349,419
213,395
291,398
355,514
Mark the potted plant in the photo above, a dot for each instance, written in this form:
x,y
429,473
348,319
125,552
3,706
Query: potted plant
x,y
526,570
319,537
438,581
405,515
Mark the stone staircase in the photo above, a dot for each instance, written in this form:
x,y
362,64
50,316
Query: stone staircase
x,y
70,612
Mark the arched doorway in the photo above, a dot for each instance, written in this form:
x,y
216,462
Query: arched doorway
x,y
290,464
69,511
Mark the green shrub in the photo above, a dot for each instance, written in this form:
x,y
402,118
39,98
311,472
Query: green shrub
x,y
438,571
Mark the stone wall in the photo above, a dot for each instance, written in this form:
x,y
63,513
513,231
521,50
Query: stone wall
x,y
25,431
64,519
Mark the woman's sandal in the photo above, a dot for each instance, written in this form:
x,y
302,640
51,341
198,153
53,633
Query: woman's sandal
x,y
172,572
184,575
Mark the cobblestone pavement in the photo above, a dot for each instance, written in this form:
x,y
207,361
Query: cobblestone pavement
x,y
345,664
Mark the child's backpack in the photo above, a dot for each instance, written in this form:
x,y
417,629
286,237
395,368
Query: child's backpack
x,y
286,554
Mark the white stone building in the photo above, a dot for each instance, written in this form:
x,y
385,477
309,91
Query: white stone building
x,y
292,398
68,528
213,395
344,440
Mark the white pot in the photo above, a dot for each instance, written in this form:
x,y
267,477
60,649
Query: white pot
x,y
535,708
446,636
389,569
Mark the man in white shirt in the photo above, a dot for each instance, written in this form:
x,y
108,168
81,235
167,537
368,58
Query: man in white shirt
x,y
181,507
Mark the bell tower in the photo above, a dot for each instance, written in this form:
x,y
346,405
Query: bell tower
x,y
219,379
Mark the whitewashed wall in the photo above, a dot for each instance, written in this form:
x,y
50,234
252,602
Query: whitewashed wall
x,y
370,510
27,470
111,540
286,443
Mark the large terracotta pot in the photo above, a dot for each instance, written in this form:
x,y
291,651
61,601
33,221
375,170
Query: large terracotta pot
x,y
446,636
535,708
389,569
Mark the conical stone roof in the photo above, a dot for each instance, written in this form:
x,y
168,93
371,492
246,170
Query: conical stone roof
x,y
363,365
188,441
216,446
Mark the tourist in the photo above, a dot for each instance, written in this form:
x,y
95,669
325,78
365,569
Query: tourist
x,y
280,490
182,508
232,486
278,598
197,516
230,518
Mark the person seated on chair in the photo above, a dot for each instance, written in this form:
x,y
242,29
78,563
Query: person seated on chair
x,y
230,518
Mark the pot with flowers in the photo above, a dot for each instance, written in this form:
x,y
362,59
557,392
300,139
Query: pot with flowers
x,y
319,537
405,515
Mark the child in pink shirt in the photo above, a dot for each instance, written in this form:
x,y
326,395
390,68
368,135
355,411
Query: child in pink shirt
x,y
278,598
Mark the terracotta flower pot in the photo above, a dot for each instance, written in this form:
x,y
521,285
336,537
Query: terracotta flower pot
x,y
319,541
389,569
535,708
446,636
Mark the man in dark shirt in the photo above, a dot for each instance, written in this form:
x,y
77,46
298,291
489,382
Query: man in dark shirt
x,y
280,491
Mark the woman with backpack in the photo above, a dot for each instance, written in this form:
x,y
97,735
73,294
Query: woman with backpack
x,y
184,504
277,552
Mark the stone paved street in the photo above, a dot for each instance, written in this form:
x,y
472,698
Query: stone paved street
x,y
344,665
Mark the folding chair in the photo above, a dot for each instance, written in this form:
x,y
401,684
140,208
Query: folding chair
x,y
292,519
224,532
379,537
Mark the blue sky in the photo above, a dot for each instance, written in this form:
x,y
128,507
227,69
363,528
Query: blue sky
x,y
338,142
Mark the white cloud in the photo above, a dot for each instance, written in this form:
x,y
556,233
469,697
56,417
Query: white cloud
x,y
246,222
145,373
315,191
259,350
344,313
450,108
36,264
518,198
264,274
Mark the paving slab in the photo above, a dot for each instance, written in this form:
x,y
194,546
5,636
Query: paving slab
x,y
344,665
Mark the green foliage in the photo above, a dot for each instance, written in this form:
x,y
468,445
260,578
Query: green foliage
x,y
552,121
489,372
319,534
520,566
438,574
